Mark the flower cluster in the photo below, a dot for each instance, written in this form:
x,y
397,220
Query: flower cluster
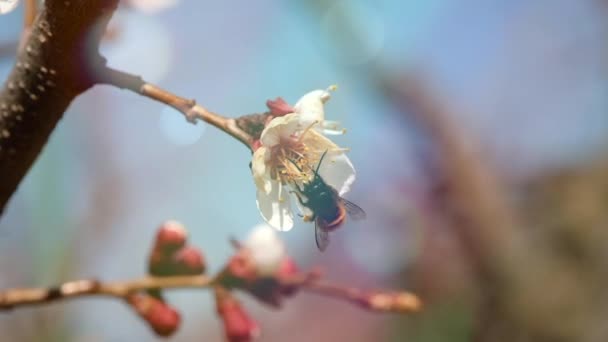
x,y
289,151
170,256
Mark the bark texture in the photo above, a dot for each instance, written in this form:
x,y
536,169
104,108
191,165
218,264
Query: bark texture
x,y
53,67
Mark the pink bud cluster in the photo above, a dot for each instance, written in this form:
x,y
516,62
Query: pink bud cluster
x,y
259,267
170,256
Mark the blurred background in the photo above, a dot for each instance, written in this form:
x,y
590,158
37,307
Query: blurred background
x,y
524,82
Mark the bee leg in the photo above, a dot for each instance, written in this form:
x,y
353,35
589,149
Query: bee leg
x,y
299,198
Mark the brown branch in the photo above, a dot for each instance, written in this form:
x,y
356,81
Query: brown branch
x,y
381,301
50,71
189,108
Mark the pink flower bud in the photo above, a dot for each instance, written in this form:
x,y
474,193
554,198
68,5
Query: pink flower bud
x,y
238,326
189,261
240,270
279,107
161,317
170,237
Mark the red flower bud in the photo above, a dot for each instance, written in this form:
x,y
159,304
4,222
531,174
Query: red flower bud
x,y
239,271
238,326
161,317
170,237
279,107
189,261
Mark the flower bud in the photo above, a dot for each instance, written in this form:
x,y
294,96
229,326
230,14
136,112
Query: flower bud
x,y
238,326
401,302
189,261
239,271
279,107
170,237
161,317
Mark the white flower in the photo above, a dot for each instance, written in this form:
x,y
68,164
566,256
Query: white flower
x,y
7,6
291,148
311,109
267,250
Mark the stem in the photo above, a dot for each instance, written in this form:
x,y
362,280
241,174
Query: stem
x,y
191,110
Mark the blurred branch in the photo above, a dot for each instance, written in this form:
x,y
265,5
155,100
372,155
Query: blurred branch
x,y
189,108
471,195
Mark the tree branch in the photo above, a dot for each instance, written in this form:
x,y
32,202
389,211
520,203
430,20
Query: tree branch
x,y
49,73
189,108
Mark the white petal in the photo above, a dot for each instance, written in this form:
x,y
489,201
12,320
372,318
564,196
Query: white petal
x,y
8,5
261,173
280,127
332,128
267,249
310,106
275,206
337,171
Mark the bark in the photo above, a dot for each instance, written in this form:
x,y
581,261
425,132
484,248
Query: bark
x,y
53,68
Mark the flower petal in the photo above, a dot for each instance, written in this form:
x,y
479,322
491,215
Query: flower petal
x,y
332,128
259,169
337,171
280,127
8,6
267,249
275,206
311,106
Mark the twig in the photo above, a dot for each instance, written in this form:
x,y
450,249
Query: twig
x,y
81,288
189,108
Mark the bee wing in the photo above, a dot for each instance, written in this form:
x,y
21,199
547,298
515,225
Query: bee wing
x,y
321,237
353,210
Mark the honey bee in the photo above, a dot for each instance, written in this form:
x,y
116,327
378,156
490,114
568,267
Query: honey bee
x,y
328,207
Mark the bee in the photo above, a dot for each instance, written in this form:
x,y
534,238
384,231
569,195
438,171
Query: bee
x,y
328,207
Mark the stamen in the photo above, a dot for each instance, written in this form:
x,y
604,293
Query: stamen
x,y
306,131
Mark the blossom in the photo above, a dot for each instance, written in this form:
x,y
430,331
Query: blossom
x,y
7,6
289,152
